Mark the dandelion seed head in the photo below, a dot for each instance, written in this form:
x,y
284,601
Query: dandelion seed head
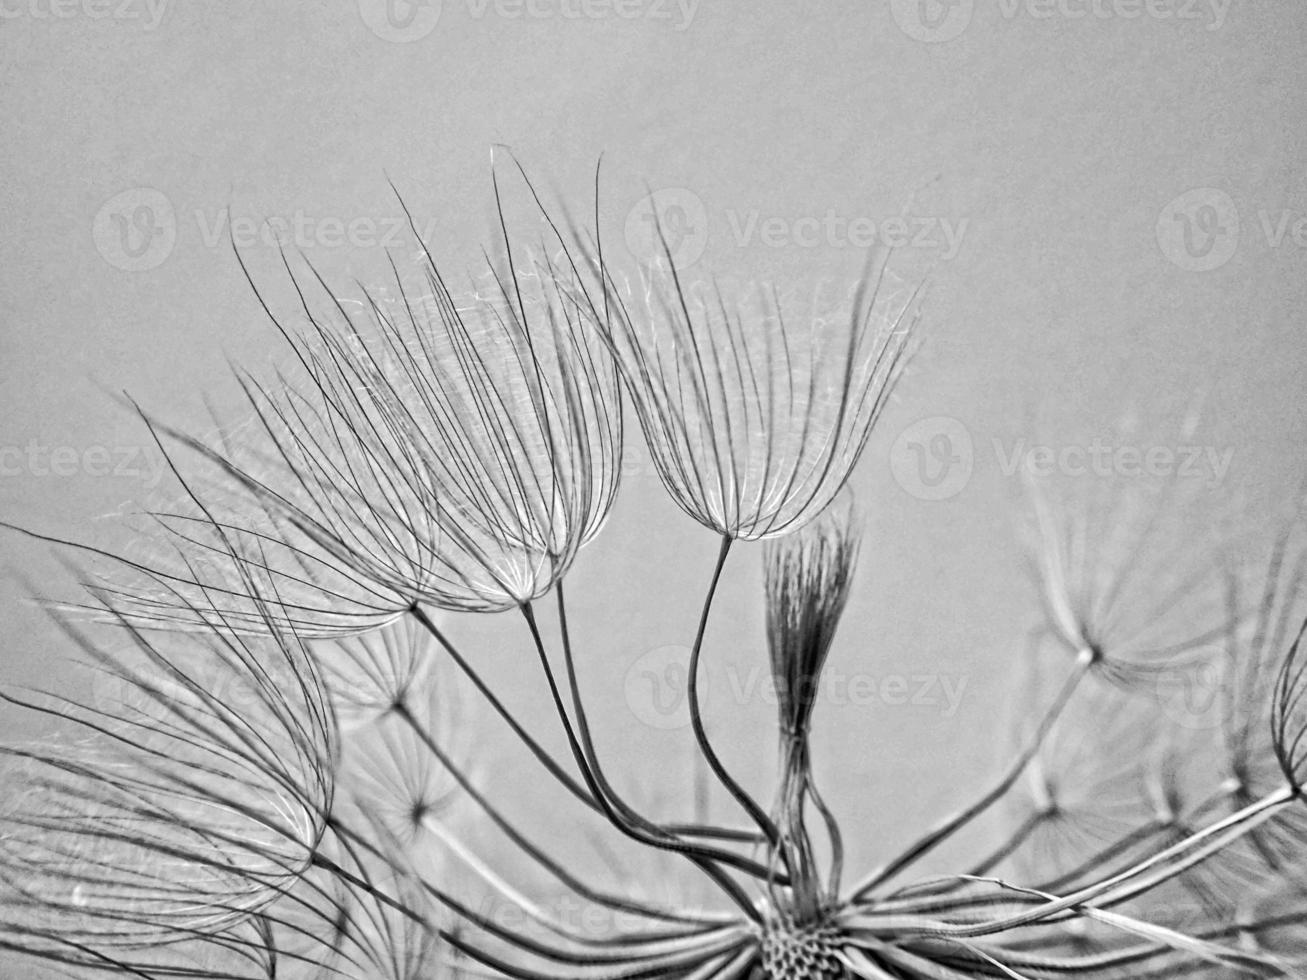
x,y
395,780
277,781
371,675
182,810
414,448
755,414
1124,577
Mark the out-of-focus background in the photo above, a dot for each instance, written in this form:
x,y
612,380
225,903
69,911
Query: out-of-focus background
x,y
1107,197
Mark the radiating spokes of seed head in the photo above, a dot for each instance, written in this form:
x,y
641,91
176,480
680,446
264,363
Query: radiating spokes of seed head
x,y
755,413
186,798
419,445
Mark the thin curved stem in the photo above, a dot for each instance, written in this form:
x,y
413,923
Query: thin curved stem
x,y
742,797
605,788
704,858
548,761
953,824
1115,888
532,850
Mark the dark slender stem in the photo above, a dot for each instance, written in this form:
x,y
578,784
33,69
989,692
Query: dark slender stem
x,y
320,860
555,769
796,844
702,857
701,791
462,910
522,842
836,841
750,805
578,753
537,750
709,832
605,788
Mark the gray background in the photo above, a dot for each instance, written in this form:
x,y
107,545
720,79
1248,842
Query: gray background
x,y
1069,142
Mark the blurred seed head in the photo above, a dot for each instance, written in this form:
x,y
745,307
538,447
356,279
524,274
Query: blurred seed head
x,y
177,813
